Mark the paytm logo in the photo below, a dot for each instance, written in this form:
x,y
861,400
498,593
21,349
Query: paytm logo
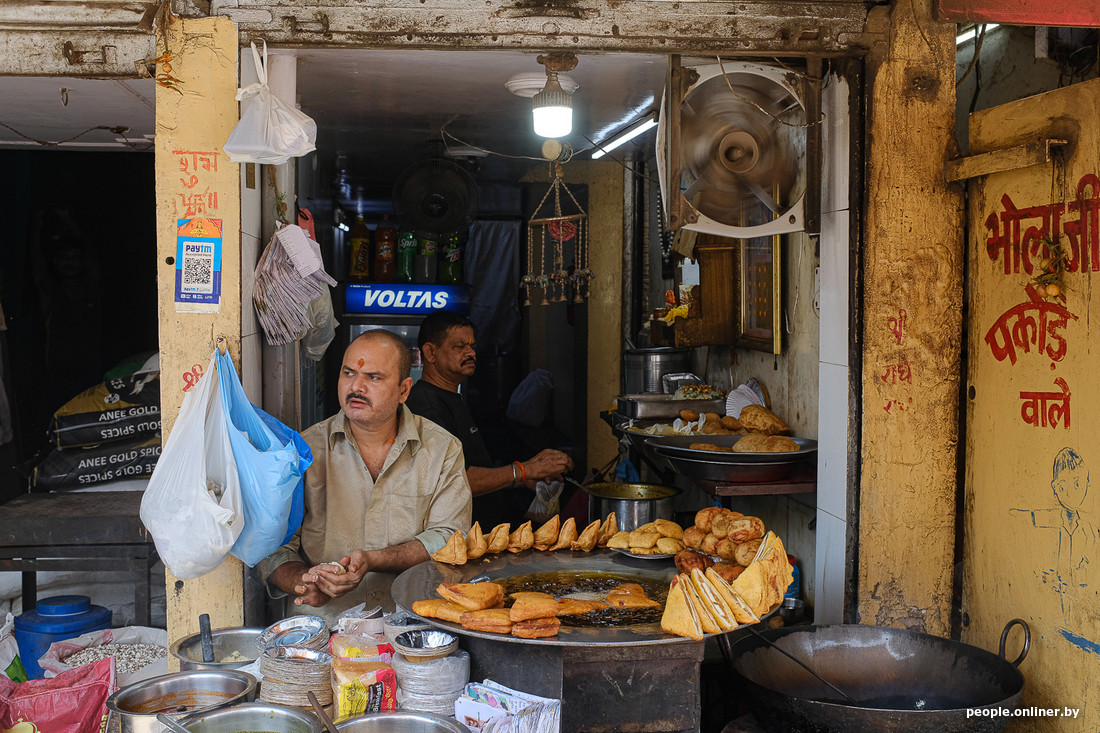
x,y
407,299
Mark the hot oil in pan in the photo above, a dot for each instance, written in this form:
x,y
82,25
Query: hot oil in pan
x,y
591,586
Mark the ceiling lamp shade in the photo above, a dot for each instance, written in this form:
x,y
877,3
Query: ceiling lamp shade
x,y
553,106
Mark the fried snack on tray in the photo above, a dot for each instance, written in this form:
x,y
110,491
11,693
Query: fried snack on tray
x,y
608,529
705,446
577,607
668,529
619,541
680,617
710,545
729,571
522,539
689,415
476,545
752,587
712,602
547,534
567,536
762,420
532,604
630,595
744,529
472,596
498,539
760,443
693,537
730,423
687,559
644,540
536,628
705,517
587,541
454,552
726,549
746,551
492,620
669,545
439,608
741,610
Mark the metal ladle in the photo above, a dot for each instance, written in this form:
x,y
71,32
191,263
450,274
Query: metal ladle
x,y
171,724
320,712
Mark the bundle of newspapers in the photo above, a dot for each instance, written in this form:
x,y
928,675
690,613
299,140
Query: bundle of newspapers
x,y
289,276
490,707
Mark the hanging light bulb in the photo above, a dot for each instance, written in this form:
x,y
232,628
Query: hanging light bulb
x,y
553,106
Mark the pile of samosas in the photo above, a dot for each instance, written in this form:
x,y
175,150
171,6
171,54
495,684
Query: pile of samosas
x,y
551,536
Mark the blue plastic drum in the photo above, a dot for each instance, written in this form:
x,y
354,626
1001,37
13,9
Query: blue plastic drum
x,y
55,619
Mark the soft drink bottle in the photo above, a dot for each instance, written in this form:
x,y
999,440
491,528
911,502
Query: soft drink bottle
x,y
406,256
450,264
385,244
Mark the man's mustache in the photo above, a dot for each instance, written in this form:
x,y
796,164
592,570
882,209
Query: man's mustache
x,y
469,360
358,396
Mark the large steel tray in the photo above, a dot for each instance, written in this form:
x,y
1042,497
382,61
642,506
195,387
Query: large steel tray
x,y
420,581
727,467
657,406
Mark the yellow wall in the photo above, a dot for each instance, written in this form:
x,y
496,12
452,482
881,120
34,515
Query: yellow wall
x,y
605,342
912,275
1031,540
194,178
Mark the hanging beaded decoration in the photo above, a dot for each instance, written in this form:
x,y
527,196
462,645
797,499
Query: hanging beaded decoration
x,y
547,268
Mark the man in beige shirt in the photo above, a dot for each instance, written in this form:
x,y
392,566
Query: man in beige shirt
x,y
385,490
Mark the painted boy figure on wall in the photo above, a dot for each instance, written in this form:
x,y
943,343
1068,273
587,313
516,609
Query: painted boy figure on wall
x,y
1077,528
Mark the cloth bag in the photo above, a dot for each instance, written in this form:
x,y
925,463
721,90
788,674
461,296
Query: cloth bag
x,y
270,130
192,505
269,469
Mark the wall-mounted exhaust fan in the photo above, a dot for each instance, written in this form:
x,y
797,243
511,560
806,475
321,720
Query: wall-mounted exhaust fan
x,y
731,149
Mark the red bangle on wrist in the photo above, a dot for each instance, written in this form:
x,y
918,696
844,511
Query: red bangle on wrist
x,y
522,470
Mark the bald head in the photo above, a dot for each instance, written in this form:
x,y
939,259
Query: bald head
x,y
387,339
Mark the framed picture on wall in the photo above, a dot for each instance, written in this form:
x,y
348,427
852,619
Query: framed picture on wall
x,y
761,294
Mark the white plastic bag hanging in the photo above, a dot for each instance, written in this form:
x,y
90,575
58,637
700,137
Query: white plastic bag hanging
x,y
270,130
192,505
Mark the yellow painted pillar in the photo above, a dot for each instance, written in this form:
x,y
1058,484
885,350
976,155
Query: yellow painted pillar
x,y
913,296
195,179
605,259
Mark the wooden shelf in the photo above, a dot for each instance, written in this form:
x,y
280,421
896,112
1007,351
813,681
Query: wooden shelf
x,y
803,481
716,296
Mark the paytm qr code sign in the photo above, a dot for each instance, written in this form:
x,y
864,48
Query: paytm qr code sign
x,y
198,264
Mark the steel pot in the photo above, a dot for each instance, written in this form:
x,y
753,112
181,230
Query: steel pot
x,y
178,694
238,642
401,722
254,716
643,368
633,504
902,681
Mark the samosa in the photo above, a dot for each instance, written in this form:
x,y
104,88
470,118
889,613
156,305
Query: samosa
x,y
608,529
680,617
476,546
547,534
567,535
498,539
522,539
472,596
454,552
587,541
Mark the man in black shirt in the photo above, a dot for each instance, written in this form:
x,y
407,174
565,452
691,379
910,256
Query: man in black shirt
x,y
447,346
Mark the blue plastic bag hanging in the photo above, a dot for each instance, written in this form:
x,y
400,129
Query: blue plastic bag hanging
x,y
297,501
269,470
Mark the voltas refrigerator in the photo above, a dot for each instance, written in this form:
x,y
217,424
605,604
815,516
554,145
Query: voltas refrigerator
x,y
397,308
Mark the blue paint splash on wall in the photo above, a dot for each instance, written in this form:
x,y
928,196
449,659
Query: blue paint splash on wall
x,y
1081,642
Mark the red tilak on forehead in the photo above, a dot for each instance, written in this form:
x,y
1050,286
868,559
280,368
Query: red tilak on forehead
x,y
360,363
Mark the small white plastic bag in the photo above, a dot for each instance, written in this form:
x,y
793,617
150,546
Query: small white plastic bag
x,y
546,502
192,506
270,131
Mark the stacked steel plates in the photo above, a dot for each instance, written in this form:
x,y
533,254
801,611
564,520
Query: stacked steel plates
x,y
290,673
306,632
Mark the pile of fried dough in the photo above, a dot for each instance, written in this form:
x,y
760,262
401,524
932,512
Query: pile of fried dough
x,y
726,534
553,535
533,615
754,420
659,537
703,602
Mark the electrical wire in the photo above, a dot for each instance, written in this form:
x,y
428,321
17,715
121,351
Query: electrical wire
x,y
117,130
746,100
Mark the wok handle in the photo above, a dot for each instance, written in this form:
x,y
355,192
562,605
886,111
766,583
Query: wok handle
x,y
1027,640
